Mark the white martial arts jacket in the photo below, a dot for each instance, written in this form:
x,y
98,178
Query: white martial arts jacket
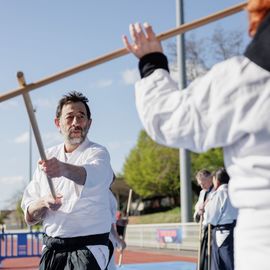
x,y
229,108
85,209
204,194
219,210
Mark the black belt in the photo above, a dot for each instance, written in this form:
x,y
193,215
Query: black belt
x,y
227,226
73,243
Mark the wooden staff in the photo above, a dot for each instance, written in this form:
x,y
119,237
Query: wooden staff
x,y
200,243
209,247
32,118
121,52
124,234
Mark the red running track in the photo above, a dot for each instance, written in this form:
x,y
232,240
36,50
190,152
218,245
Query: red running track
x,y
130,256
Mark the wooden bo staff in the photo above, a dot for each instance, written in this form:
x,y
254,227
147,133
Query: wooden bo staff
x,y
120,52
200,243
32,118
124,235
209,239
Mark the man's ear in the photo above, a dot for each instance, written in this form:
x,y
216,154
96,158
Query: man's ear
x,y
89,122
57,122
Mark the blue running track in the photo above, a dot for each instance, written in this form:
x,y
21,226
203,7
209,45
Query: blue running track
x,y
159,266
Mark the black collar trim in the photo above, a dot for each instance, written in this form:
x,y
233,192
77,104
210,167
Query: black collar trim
x,y
258,51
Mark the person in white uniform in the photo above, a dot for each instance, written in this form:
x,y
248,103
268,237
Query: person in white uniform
x,y
77,222
222,216
115,241
228,107
204,180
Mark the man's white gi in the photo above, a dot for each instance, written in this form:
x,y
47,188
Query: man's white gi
x,y
204,194
228,107
219,210
85,209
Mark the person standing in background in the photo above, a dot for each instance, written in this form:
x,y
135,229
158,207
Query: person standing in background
x,y
222,216
115,240
204,180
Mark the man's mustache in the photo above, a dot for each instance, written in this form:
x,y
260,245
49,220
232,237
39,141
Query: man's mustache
x,y
76,129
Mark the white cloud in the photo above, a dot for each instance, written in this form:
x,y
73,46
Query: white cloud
x,y
22,138
104,83
12,180
49,139
44,103
130,76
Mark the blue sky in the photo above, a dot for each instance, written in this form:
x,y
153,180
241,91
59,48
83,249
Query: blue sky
x,y
44,37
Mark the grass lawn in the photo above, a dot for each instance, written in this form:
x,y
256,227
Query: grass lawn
x,y
171,216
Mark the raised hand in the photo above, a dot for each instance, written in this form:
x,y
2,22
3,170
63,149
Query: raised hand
x,y
144,40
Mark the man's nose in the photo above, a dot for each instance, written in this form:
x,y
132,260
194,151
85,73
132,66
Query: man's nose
x,y
76,120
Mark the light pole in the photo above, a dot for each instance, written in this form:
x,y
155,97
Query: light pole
x,y
185,190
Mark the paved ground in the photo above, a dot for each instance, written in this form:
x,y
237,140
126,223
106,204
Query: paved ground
x,y
130,256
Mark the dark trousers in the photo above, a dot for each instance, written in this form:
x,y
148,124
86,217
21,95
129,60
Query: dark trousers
x,y
222,257
71,253
80,259
204,253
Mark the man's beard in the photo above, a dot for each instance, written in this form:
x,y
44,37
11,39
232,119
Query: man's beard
x,y
76,140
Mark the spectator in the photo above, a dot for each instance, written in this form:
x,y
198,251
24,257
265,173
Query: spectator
x,y
222,216
204,180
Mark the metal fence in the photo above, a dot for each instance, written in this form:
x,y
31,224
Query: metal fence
x,y
18,245
180,236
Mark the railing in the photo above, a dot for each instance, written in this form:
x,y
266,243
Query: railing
x,y
180,236
18,245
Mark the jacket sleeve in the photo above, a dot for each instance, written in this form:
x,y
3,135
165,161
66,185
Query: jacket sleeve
x,y
209,113
98,169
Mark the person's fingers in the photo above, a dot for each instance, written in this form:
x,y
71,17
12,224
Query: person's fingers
x,y
149,31
139,32
126,43
133,32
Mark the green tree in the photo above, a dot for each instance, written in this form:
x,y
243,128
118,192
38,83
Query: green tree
x,y
3,216
210,160
20,214
152,169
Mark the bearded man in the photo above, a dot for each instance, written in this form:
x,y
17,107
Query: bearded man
x,y
75,221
